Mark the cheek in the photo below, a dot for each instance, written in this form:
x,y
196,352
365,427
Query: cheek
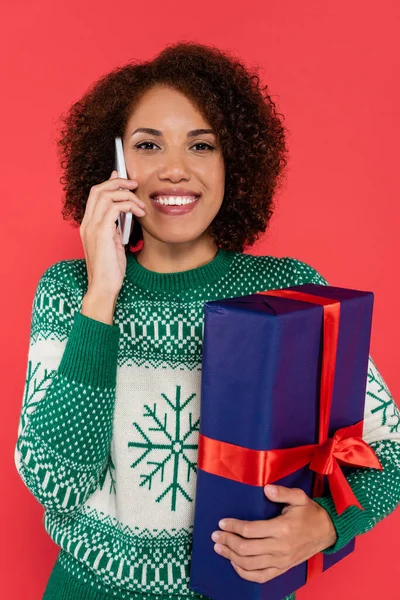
x,y
139,170
215,185
212,172
219,180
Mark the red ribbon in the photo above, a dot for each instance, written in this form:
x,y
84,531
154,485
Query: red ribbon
x,y
346,447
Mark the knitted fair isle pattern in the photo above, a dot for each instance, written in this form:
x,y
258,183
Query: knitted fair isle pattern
x,y
107,439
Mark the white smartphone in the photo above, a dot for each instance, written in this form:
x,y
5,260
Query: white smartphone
x,y
124,219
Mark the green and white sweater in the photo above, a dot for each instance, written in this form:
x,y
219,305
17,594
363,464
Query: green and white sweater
x,y
108,432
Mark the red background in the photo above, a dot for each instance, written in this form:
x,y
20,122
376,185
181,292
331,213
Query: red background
x,y
333,71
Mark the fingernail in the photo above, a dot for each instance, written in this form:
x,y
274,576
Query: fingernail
x,y
271,489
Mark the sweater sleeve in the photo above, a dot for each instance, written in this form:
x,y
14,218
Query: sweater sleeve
x,y
65,425
377,491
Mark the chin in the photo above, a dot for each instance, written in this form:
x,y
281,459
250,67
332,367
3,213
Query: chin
x,y
183,236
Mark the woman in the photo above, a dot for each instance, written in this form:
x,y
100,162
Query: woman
x,y
108,434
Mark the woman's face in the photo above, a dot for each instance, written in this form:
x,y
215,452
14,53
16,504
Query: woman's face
x,y
170,157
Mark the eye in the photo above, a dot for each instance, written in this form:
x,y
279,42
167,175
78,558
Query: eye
x,y
204,144
141,144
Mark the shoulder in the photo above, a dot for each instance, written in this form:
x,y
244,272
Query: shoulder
x,y
66,276
281,270
304,272
57,298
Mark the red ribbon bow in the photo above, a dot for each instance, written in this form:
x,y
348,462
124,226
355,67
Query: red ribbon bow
x,y
346,447
259,467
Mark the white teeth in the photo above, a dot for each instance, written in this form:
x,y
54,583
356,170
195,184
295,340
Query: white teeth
x,y
174,200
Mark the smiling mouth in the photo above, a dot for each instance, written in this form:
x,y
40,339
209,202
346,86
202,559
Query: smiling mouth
x,y
177,208
175,200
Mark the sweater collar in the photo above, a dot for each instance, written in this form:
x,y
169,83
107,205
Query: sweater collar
x,y
179,280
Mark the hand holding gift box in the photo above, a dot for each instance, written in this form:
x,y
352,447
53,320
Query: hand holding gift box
x,y
283,393
265,549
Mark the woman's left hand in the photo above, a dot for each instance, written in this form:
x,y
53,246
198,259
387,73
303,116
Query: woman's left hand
x,y
262,550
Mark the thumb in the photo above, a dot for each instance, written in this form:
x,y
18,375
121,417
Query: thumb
x,y
280,493
114,174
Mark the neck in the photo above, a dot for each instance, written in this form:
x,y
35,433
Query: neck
x,y
170,258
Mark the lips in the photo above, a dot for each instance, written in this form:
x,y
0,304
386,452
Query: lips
x,y
175,209
176,191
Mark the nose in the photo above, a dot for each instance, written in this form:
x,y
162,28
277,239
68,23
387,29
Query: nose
x,y
174,167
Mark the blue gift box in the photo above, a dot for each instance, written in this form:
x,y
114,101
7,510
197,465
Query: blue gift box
x,y
260,389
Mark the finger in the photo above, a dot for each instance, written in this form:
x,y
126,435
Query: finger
x,y
113,212
250,563
117,235
248,547
280,493
115,197
259,575
114,183
107,225
253,529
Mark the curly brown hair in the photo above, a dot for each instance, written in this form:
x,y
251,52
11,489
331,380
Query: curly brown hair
x,y
231,98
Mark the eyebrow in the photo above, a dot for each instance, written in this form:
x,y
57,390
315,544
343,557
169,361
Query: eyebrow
x,y
192,133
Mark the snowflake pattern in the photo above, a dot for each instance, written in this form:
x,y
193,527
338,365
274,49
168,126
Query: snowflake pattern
x,y
34,386
381,394
175,446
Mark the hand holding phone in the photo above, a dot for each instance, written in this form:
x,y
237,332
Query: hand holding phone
x,y
105,254
124,219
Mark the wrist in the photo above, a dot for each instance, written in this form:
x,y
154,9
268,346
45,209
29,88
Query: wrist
x,y
99,306
329,534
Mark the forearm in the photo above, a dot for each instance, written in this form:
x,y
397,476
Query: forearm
x,y
66,428
99,306
377,491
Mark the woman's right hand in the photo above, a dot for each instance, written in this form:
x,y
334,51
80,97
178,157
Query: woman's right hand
x,y
104,252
